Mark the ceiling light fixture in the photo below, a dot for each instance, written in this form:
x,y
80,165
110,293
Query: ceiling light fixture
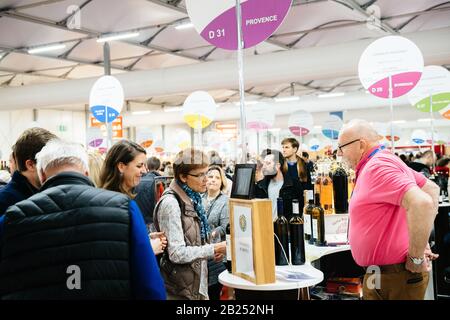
x,y
424,120
119,36
46,48
173,109
399,121
331,95
185,25
287,99
247,103
140,113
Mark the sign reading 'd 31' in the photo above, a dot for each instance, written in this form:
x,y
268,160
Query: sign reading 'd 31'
x,y
216,20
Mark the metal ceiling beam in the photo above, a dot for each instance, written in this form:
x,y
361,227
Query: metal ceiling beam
x,y
90,33
32,5
352,4
355,23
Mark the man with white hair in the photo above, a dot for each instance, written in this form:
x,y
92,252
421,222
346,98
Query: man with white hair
x,y
392,210
73,241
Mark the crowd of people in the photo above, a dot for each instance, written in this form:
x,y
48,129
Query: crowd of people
x,y
65,208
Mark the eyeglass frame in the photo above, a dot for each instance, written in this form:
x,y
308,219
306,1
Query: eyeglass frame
x,y
348,143
201,175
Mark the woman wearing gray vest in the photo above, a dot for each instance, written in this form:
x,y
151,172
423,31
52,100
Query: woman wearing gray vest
x,y
215,202
181,215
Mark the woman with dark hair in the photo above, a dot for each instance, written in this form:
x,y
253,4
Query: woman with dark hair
x,y
181,215
122,170
123,167
215,202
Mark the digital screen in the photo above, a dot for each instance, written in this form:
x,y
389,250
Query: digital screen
x,y
243,180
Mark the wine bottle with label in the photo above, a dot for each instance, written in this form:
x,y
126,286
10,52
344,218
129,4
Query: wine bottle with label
x,y
318,222
307,211
297,235
228,239
281,227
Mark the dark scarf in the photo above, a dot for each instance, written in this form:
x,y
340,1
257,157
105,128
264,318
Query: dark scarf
x,y
198,206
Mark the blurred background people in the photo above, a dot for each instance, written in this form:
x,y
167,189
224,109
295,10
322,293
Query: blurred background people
x,y
95,166
423,163
24,181
145,190
215,202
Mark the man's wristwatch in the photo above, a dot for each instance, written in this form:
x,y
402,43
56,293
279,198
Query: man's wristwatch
x,y
416,261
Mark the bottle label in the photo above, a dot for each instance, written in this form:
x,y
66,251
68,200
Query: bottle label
x,y
316,235
228,238
307,224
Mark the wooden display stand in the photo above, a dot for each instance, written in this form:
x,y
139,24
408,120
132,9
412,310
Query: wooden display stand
x,y
252,259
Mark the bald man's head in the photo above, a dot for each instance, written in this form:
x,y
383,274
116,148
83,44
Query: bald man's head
x,y
360,129
355,139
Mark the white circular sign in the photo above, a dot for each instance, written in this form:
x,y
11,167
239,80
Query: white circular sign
x,y
260,117
158,146
392,57
315,144
434,85
301,123
216,21
199,109
395,129
332,126
418,137
144,137
94,137
106,99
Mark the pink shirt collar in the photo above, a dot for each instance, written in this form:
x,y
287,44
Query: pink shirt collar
x,y
369,154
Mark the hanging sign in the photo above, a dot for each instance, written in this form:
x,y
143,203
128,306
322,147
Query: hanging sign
x,y
260,117
396,131
418,136
158,146
332,126
434,85
314,144
216,21
391,56
199,110
106,99
301,123
117,127
144,137
94,137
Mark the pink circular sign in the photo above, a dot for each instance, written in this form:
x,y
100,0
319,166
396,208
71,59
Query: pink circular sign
x,y
216,21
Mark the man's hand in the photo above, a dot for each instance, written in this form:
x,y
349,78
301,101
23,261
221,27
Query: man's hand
x,y
426,265
429,254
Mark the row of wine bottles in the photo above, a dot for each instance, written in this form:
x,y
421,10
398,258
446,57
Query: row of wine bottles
x,y
4,166
290,235
335,190
310,227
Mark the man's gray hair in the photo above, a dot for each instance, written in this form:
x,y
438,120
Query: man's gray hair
x,y
58,153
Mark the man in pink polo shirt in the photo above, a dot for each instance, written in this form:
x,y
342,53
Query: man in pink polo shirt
x,y
392,210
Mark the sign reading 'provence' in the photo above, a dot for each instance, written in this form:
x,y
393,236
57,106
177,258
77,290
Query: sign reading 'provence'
x,y
216,21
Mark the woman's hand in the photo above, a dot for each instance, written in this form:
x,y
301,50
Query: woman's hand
x,y
157,246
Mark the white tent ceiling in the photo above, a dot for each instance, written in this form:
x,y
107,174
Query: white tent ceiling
x,y
315,23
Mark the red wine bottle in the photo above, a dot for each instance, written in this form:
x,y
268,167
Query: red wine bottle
x,y
297,235
281,227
